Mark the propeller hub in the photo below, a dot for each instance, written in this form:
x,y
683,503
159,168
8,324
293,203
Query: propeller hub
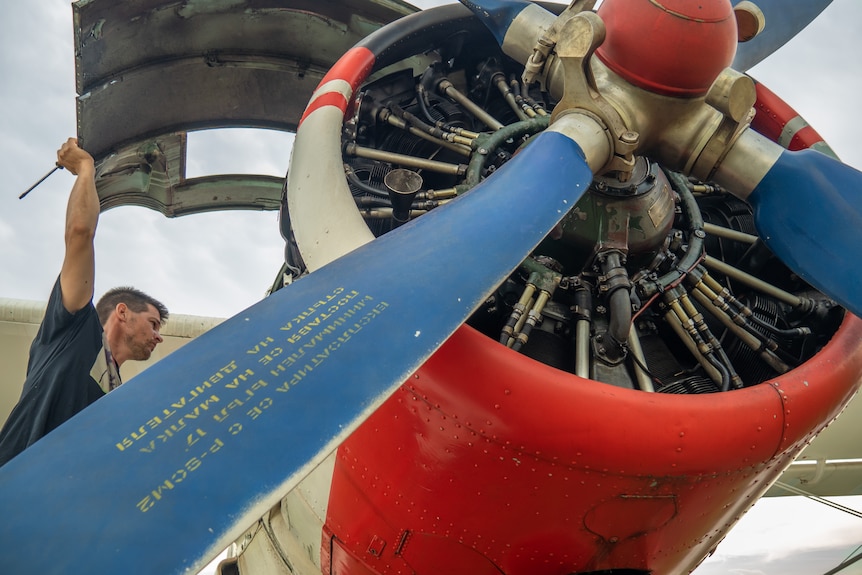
x,y
670,47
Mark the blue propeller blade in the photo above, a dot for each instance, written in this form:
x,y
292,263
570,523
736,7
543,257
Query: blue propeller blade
x,y
808,210
166,471
784,20
497,15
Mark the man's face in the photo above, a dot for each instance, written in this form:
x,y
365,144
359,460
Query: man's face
x,y
141,334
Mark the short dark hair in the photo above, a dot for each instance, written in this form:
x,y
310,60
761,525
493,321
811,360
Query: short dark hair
x,y
135,300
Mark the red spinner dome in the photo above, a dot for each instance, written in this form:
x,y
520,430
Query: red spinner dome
x,y
672,47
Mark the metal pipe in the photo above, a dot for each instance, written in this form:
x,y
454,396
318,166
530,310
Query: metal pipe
x,y
582,312
363,202
536,107
402,124
441,194
386,213
546,281
509,330
744,313
697,317
707,351
522,319
728,233
744,336
683,335
463,132
706,298
641,376
450,90
352,149
515,87
499,80
533,318
753,282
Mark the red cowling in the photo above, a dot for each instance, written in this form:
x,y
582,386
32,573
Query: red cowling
x,y
486,461
671,47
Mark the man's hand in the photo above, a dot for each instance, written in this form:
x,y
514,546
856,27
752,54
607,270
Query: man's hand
x,y
73,158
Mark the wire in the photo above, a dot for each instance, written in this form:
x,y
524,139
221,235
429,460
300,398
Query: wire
x,y
850,560
852,553
843,565
818,499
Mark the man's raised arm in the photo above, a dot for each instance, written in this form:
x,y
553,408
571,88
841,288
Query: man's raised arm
x,y
82,214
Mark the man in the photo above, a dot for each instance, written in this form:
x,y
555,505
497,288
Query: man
x,y
76,355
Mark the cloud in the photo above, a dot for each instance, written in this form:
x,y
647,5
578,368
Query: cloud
x,y
238,151
809,562
788,536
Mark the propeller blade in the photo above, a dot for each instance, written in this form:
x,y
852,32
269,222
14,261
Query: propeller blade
x,y
169,469
808,211
784,20
497,15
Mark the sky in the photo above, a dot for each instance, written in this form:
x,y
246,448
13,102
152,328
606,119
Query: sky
x,y
218,264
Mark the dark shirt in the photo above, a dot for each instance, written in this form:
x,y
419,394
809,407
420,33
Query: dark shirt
x,y
67,361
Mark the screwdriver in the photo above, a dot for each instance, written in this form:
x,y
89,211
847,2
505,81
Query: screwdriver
x,y
42,179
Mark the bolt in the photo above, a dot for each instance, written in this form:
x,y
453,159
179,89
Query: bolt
x,y
629,137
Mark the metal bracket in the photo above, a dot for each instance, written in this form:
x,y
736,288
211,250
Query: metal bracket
x,y
579,37
536,68
733,94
